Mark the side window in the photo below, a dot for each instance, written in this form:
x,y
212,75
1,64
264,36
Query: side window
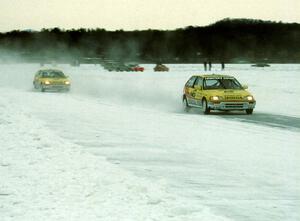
x,y
190,82
199,82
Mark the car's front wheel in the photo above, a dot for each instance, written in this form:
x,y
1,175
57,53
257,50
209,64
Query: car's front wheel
x,y
249,111
42,89
186,106
205,108
35,85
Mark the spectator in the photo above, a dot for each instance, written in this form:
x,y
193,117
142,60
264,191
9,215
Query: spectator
x,y
205,65
223,65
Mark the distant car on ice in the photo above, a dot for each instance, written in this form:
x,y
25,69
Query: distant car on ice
x,y
51,79
136,67
161,67
261,65
116,66
217,92
122,67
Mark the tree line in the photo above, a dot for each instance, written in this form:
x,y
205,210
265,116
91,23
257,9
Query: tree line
x,y
228,40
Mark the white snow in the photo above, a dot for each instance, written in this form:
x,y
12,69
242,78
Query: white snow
x,y
119,147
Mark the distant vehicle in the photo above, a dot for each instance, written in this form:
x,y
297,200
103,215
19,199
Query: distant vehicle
x,y
122,67
116,66
51,79
110,66
161,67
136,67
261,65
217,92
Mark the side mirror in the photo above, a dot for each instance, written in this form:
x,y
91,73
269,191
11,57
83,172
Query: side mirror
x,y
245,86
198,87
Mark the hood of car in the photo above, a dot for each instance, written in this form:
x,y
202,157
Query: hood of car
x,y
229,94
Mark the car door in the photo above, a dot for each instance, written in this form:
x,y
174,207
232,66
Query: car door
x,y
190,90
198,91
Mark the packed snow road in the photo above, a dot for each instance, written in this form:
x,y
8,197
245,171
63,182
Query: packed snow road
x,y
181,166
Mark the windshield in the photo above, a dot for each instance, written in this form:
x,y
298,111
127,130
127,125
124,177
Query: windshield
x,y
53,74
221,83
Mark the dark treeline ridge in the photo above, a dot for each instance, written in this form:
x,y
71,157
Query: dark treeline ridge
x,y
229,40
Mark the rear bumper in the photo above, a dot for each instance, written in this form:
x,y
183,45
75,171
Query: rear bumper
x,y
231,105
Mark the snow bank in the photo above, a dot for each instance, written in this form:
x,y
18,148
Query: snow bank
x,y
45,177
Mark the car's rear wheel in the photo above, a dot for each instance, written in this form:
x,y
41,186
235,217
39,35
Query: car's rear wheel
x,y
205,108
186,105
249,111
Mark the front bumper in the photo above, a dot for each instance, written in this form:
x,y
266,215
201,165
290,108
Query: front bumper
x,y
231,105
56,87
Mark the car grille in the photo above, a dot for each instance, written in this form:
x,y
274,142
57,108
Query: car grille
x,y
234,105
57,83
233,97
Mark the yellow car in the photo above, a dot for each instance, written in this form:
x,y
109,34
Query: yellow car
x,y
51,79
217,92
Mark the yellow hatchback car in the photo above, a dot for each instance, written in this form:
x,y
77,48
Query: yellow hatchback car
x,y
51,79
217,92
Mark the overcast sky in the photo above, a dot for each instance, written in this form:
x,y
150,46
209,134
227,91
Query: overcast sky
x,y
138,14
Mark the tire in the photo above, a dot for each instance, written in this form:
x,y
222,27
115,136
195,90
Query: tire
x,y
42,89
34,85
249,111
186,106
205,109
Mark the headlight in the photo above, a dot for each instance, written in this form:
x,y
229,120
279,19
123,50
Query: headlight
x,y
216,98
47,82
250,98
67,82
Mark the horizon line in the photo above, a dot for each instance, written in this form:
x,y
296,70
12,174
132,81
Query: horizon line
x,y
146,29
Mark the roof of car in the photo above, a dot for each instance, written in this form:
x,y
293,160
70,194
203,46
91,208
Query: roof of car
x,y
214,75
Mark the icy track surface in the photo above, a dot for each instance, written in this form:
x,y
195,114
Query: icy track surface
x,y
119,147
